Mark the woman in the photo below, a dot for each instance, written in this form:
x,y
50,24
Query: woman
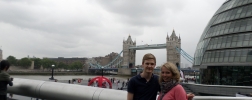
x,y
169,82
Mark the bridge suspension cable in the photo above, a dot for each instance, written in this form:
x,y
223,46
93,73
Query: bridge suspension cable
x,y
110,63
185,55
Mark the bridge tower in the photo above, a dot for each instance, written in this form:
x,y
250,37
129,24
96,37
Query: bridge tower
x,y
171,43
129,55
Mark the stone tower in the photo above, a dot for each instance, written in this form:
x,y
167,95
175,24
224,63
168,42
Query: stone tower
x,y
171,43
129,55
1,54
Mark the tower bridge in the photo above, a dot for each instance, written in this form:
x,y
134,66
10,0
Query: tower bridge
x,y
130,47
127,61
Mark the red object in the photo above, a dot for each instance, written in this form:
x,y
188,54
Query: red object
x,y
79,80
100,80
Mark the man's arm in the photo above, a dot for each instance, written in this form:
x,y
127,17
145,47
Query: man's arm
x,y
131,90
130,96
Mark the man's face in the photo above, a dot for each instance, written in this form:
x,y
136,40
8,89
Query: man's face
x,y
148,65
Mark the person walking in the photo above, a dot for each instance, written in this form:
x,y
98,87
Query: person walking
x,y
4,79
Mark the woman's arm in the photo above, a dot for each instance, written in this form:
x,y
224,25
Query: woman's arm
x,y
180,93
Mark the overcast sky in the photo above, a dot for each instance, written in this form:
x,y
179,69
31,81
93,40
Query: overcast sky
x,y
91,28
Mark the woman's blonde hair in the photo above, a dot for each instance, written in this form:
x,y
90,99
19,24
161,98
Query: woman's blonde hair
x,y
174,70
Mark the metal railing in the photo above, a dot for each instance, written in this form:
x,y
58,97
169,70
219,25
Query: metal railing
x,y
63,91
220,98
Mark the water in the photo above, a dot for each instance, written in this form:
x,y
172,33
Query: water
x,y
58,77
62,77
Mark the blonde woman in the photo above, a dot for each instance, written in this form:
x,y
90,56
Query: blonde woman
x,y
169,82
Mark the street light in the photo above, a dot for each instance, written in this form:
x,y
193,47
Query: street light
x,y
102,71
194,77
136,70
52,73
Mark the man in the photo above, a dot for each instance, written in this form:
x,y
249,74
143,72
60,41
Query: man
x,y
145,86
4,79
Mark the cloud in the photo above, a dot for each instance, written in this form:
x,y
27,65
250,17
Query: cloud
x,y
63,28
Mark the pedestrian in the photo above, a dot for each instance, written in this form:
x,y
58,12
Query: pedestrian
x,y
169,81
145,86
69,81
4,79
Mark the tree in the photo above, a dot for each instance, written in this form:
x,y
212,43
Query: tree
x,y
37,62
76,65
12,60
24,62
62,65
47,63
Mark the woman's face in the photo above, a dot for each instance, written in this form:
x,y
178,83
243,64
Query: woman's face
x,y
166,74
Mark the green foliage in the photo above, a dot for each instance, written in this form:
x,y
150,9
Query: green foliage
x,y
37,62
12,60
62,65
25,62
76,65
47,63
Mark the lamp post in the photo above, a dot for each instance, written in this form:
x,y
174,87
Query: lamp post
x,y
52,73
136,70
194,76
102,71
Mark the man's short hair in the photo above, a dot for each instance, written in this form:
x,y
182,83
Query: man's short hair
x,y
149,56
4,64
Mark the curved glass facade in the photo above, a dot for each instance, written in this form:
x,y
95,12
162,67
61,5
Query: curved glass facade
x,y
224,51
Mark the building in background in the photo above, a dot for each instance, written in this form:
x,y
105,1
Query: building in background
x,y
224,51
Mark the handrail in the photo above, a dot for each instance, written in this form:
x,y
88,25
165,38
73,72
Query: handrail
x,y
220,98
63,91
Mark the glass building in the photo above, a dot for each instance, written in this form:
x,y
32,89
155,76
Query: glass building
x,y
224,51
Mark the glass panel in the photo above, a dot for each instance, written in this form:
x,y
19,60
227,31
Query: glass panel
x,y
226,56
245,43
233,14
212,56
228,15
231,29
244,2
243,25
237,26
229,39
249,55
234,40
244,55
219,42
221,56
226,28
223,43
209,57
250,42
215,43
239,41
237,55
249,11
231,56
244,11
237,15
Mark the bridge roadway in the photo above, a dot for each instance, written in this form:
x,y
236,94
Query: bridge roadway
x,y
147,46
